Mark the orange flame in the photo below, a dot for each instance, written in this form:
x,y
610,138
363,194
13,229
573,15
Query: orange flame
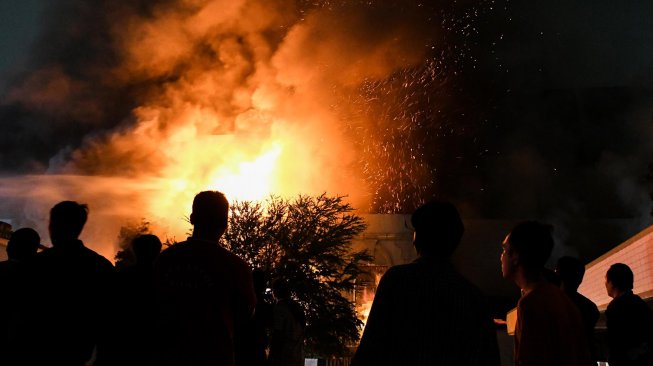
x,y
239,98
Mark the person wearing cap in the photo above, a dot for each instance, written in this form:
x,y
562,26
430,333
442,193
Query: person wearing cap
x,y
425,312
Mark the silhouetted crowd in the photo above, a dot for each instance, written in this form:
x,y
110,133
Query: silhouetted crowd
x,y
192,304
196,303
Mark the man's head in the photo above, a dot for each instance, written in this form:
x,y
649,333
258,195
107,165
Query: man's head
x,y
24,244
281,289
571,272
210,214
146,248
526,248
67,220
438,229
618,279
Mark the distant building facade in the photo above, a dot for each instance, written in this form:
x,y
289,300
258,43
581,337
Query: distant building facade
x,y
637,253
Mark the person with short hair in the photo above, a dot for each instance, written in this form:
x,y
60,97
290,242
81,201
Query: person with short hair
x,y
549,330
288,323
23,245
571,271
628,319
425,312
137,296
14,281
74,285
205,293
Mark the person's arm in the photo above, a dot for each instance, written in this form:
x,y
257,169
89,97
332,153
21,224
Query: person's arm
x,y
488,352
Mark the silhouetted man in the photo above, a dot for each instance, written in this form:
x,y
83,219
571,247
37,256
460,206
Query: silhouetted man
x,y
138,299
629,321
253,340
74,286
21,250
571,271
549,330
424,312
205,292
288,323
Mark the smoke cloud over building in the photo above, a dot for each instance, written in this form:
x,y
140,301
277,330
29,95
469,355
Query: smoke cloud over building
x,y
134,106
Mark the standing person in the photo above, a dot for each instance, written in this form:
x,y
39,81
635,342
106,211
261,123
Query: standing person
x,y
288,323
137,296
425,312
75,286
205,293
253,340
629,321
549,329
21,250
571,272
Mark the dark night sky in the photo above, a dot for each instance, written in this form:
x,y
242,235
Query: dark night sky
x,y
18,29
553,114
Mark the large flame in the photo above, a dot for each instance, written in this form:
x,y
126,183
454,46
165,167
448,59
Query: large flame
x,y
236,96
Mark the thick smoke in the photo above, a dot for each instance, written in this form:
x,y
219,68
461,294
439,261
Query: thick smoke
x,y
133,107
513,110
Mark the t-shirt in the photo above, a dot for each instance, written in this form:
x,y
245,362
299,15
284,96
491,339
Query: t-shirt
x,y
204,293
549,330
426,313
74,288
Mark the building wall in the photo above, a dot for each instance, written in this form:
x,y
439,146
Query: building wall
x,y
637,253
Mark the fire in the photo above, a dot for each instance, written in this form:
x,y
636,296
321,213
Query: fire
x,y
244,97
244,178
364,303
253,180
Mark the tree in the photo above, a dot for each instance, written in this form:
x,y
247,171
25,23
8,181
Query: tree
x,y
306,241
125,256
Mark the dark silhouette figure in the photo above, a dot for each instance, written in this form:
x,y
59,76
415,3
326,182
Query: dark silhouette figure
x,y
137,299
253,342
73,292
205,293
629,321
23,245
14,280
551,277
288,323
571,271
549,329
425,312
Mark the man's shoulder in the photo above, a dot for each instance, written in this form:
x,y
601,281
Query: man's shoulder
x,y
584,302
99,259
401,271
547,298
434,274
208,251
